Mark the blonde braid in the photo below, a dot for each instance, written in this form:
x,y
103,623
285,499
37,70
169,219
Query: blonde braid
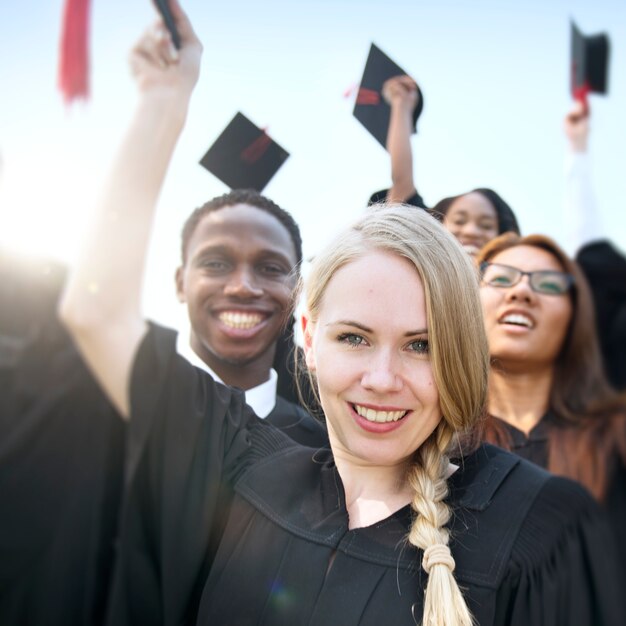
x,y
444,604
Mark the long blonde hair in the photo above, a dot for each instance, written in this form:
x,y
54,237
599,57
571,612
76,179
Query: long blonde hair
x,y
460,364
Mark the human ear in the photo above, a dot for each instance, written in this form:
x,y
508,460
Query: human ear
x,y
307,331
180,284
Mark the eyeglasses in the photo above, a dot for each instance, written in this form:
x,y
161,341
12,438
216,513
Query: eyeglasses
x,y
548,282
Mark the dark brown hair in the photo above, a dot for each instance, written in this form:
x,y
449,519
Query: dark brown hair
x,y
506,218
590,414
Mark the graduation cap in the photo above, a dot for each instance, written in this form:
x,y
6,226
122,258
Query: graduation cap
x,y
370,108
590,62
244,156
163,7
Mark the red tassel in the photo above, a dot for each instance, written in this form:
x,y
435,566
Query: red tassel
x,y
581,94
368,97
73,77
256,149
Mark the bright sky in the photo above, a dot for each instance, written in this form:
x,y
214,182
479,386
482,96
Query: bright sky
x,y
494,75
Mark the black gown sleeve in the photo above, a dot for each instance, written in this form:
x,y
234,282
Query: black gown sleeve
x,y
187,437
61,464
299,425
563,567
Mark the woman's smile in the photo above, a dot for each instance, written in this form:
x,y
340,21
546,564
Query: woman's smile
x,y
369,349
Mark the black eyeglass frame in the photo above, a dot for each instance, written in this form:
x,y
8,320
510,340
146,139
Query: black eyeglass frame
x,y
570,281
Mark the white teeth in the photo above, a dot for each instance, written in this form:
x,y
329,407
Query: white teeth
x,y
379,416
518,319
470,248
240,320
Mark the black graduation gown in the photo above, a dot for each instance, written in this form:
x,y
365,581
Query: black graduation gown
x,y
226,521
605,269
61,475
61,461
381,196
294,421
534,447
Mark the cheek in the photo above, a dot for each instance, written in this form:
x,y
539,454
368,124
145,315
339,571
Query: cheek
x,y
560,322
335,371
491,233
448,225
489,301
282,294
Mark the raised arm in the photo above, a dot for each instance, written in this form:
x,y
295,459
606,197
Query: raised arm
x,y
582,221
101,305
402,96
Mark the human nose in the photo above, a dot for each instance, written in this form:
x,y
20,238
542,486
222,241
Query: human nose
x,y
241,284
471,229
521,290
382,373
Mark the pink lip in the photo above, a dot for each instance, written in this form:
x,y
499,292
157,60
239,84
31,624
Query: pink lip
x,y
376,427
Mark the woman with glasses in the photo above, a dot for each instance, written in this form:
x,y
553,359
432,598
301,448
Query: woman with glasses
x,y
549,400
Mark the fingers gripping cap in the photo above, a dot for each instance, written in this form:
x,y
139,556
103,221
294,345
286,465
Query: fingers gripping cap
x,y
168,19
370,107
439,554
244,156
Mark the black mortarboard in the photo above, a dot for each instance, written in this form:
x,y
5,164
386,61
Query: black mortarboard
x,y
168,19
590,62
370,108
244,156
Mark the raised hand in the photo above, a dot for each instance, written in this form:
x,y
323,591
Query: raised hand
x,y
401,91
576,126
101,306
158,67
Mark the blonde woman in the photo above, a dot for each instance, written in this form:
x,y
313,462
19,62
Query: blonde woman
x,y
227,521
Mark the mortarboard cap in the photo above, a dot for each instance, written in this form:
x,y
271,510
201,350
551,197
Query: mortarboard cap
x,y
370,108
168,19
589,63
244,156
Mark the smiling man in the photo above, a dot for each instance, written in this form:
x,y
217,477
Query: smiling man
x,y
241,256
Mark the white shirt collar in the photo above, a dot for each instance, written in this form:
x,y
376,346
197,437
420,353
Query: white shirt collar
x,y
261,398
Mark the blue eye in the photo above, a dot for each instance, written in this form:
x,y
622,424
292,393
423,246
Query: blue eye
x,y
351,339
420,346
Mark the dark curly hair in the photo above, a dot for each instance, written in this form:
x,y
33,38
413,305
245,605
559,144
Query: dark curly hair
x,y
252,198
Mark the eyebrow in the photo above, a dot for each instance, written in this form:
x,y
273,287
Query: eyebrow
x,y
410,333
